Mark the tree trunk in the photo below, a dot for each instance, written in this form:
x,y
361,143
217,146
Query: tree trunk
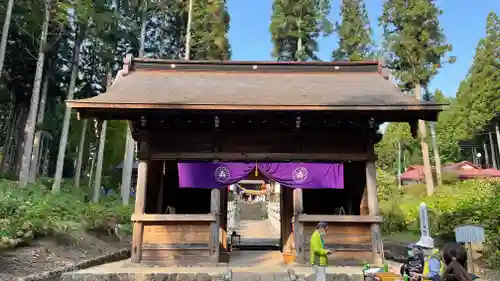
x,y
128,160
429,181
497,132
437,158
100,152
18,142
13,144
67,114
5,33
35,97
35,157
493,152
9,129
78,170
127,166
187,55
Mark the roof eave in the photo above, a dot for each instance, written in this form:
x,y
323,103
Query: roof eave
x,y
381,113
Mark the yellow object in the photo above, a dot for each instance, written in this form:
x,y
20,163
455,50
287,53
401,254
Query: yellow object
x,y
256,170
388,276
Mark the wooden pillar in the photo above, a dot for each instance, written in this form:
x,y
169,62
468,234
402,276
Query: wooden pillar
x,y
372,196
140,201
214,236
298,228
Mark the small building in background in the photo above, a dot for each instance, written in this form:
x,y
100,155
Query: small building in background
x,y
463,171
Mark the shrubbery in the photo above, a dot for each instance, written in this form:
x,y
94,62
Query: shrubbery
x,y
473,201
26,213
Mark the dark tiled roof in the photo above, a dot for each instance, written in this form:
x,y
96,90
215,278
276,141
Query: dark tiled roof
x,y
246,85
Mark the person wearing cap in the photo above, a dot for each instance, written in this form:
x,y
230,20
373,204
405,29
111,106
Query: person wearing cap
x,y
414,262
433,266
318,253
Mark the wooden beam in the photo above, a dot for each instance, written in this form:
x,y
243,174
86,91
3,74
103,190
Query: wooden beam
x,y
373,208
215,225
334,218
298,227
228,156
140,201
172,217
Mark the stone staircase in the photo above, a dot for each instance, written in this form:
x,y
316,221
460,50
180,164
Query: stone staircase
x,y
253,211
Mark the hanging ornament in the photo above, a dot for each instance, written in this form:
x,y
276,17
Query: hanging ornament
x,y
256,169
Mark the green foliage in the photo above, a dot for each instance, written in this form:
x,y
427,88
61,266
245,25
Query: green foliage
x,y
385,184
296,26
27,213
474,201
416,43
355,33
387,149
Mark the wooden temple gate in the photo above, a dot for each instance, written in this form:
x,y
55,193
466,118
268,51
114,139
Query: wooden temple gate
x,y
253,111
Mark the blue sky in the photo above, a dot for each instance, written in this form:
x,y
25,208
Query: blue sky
x,y
463,22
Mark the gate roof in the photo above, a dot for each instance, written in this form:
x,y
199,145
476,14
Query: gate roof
x,y
157,84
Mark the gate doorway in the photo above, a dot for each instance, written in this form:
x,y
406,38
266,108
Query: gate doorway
x,y
254,215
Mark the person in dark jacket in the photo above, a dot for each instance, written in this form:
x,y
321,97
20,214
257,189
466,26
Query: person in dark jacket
x,y
414,261
455,258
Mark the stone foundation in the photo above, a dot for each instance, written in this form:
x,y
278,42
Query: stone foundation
x,y
227,276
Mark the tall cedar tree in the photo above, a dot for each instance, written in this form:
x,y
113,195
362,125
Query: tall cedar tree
x,y
416,48
416,43
354,32
480,89
477,97
209,30
296,26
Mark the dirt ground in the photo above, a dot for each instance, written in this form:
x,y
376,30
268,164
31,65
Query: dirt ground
x,y
56,252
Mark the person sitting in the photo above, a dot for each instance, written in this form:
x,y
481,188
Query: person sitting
x,y
414,262
433,266
455,258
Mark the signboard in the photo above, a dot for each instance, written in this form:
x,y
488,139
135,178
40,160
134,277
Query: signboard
x,y
469,233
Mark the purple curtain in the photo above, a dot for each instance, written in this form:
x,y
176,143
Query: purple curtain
x,y
212,174
295,175
305,175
